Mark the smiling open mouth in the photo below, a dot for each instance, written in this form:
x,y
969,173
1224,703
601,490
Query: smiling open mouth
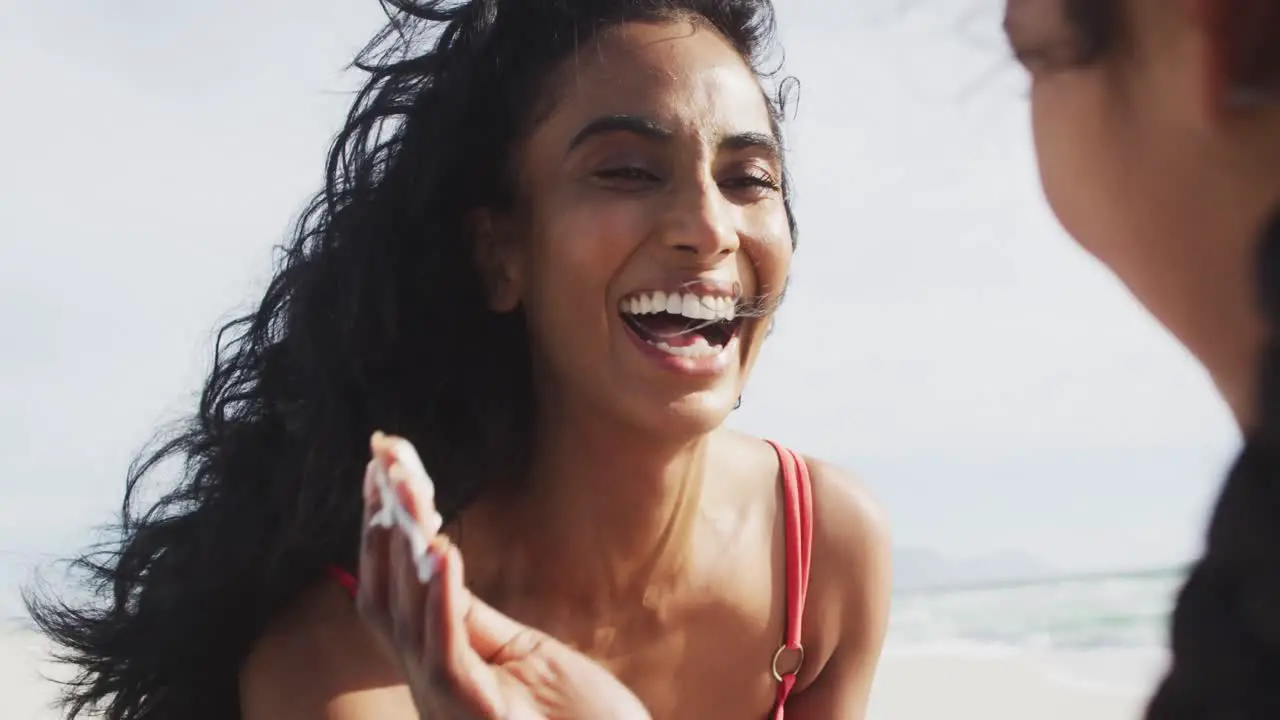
x,y
682,324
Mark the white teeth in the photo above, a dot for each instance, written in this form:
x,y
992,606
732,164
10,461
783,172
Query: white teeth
x,y
699,349
690,305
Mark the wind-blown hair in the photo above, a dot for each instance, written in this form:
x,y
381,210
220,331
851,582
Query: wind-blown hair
x,y
375,318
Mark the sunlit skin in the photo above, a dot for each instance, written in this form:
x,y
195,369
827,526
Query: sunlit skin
x,y
1151,164
649,536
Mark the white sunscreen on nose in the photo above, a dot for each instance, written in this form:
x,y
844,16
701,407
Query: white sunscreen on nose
x,y
392,513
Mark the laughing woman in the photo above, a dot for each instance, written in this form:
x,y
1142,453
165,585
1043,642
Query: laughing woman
x,y
548,252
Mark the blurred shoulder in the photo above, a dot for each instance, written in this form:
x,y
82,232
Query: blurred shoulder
x,y
318,661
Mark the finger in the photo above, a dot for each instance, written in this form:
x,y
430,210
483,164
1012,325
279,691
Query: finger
x,y
445,668
443,644
421,508
406,454
497,638
453,602
408,596
471,680
419,537
404,466
371,575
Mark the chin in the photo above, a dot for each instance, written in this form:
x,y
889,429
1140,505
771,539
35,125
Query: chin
x,y
692,415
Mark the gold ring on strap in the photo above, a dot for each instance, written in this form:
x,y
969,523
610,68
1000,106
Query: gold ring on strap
x,y
777,674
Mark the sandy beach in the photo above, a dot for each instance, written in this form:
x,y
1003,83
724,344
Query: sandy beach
x,y
925,686
914,686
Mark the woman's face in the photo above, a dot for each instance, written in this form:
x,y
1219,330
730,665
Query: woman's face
x,y
1151,166
1115,134
652,209
1137,157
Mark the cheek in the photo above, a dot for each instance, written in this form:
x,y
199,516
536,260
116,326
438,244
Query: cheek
x,y
764,266
1105,162
764,261
1077,170
575,253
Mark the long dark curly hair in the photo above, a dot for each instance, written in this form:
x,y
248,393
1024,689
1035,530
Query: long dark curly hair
x,y
375,318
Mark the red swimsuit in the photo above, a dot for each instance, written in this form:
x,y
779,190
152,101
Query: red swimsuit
x,y
798,505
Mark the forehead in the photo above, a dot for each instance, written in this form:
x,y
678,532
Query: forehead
x,y
679,73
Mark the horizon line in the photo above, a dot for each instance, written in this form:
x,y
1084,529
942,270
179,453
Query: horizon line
x,y
1047,579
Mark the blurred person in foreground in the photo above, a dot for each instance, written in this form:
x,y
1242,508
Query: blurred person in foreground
x,y
1157,128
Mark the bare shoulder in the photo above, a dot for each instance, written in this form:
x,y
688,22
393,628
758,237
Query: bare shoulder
x,y
317,661
851,574
849,592
850,527
850,530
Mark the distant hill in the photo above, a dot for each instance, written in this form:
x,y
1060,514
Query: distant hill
x,y
920,569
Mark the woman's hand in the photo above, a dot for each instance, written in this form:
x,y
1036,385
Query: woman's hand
x,y
460,657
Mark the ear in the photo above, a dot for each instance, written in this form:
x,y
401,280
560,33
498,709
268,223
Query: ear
x,y
1242,47
497,260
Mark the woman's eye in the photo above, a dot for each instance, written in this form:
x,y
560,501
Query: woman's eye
x,y
1033,60
1046,58
627,174
752,181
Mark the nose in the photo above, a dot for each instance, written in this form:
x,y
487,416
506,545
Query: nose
x,y
702,223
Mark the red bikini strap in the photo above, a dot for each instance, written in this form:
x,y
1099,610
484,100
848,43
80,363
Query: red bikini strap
x,y
343,578
797,496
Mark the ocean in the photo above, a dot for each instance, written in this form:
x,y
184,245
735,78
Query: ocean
x,y
1096,612
1102,631
1099,630
1083,647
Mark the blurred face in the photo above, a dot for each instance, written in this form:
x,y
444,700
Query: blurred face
x,y
652,218
1118,134
1143,159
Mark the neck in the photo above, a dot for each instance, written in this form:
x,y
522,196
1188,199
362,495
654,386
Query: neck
x,y
1201,281
1222,320
606,510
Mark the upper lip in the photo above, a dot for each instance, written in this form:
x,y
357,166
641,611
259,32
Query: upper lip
x,y
702,287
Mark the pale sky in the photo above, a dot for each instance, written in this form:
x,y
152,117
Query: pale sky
x,y
995,387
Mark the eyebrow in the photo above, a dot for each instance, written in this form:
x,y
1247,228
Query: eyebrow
x,y
631,124
753,141
652,130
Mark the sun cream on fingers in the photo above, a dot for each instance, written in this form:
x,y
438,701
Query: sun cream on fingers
x,y
407,456
393,513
